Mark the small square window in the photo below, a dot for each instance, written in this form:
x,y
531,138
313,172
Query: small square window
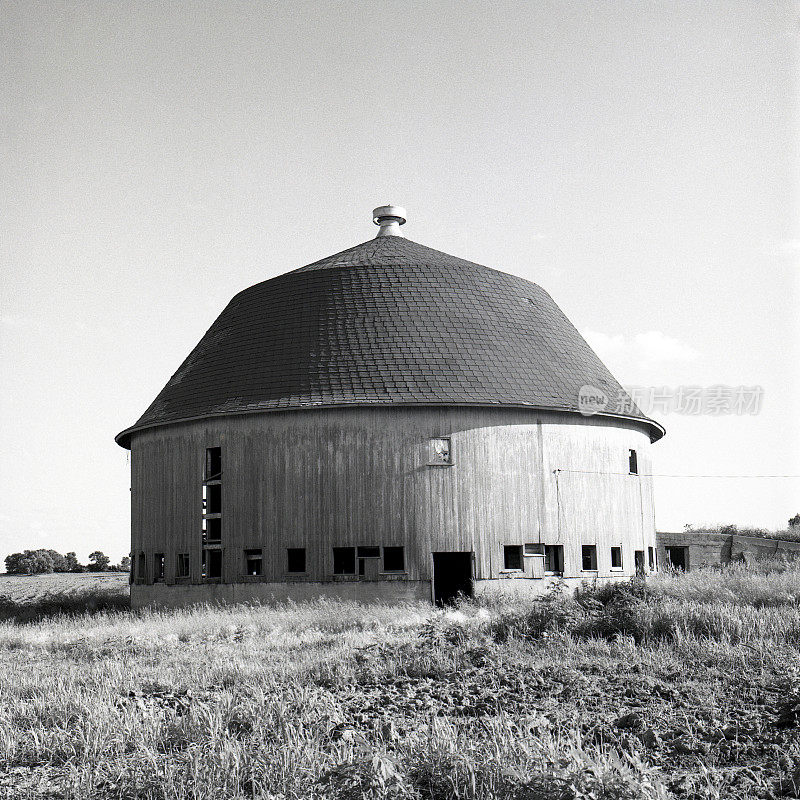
x,y
182,566
440,452
296,559
344,560
633,462
158,567
554,558
512,556
213,463
212,530
253,561
589,557
616,558
394,559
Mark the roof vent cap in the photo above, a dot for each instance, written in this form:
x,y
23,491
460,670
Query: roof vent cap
x,y
389,218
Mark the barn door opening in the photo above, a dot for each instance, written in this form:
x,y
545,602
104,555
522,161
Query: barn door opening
x,y
452,576
678,557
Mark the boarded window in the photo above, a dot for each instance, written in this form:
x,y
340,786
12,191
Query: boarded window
x,y
440,452
554,558
158,567
182,566
512,556
589,557
394,559
214,498
344,560
212,530
212,564
296,559
616,558
213,463
633,462
253,561
651,560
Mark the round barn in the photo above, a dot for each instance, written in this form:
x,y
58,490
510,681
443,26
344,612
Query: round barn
x,y
390,422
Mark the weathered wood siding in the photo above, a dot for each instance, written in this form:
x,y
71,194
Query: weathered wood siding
x,y
360,476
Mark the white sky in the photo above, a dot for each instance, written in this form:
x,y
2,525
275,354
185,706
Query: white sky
x,y
639,160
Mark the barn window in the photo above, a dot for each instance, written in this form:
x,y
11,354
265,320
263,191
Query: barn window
x,y
296,559
253,562
512,556
212,564
441,454
364,553
212,529
589,557
182,566
141,568
213,463
554,558
534,549
213,499
158,567
616,558
394,559
344,560
633,462
651,560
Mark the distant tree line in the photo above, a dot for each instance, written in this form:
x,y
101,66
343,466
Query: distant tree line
x,y
36,562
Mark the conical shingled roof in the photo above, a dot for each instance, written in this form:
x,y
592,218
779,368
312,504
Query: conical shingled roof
x,y
387,322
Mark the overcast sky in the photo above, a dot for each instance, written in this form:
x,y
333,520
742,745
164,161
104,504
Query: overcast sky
x,y
638,160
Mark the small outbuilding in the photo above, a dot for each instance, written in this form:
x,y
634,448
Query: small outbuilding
x,y
390,422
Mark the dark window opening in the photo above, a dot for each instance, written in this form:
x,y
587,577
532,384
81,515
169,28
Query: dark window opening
x,y
212,530
253,562
296,559
651,558
638,562
344,560
158,567
633,462
369,552
554,558
141,569
512,556
616,558
394,559
182,566
212,564
213,463
589,557
534,549
678,557
214,499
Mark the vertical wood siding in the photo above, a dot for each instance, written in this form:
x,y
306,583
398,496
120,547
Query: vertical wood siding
x,y
360,476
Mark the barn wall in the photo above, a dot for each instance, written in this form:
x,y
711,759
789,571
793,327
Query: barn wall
x,y
359,476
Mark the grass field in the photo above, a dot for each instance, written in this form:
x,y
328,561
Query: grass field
x,y
688,688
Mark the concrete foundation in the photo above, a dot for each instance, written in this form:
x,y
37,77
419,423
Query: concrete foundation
x,y
161,595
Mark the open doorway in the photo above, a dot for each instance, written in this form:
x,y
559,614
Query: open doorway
x,y
452,576
678,557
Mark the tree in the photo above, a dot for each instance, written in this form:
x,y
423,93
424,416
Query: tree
x,y
99,561
794,522
72,563
125,564
30,562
